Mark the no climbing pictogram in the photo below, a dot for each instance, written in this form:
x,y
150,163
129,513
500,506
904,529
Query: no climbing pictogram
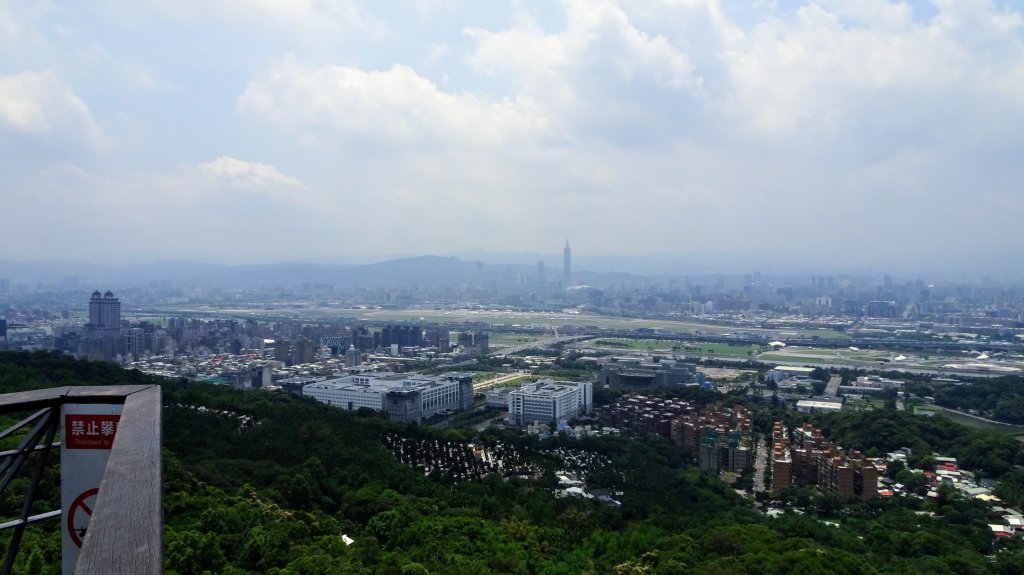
x,y
79,513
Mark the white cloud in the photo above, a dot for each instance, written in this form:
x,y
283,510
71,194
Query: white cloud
x,y
9,27
816,72
676,119
437,52
213,207
249,175
598,37
427,7
394,105
603,77
298,16
877,14
39,104
209,183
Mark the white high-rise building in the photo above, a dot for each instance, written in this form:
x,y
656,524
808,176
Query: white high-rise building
x,y
548,401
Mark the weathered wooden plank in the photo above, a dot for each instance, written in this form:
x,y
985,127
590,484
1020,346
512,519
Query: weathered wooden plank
x,y
125,535
27,400
105,392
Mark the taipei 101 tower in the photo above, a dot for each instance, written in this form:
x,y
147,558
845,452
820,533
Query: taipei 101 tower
x,y
567,265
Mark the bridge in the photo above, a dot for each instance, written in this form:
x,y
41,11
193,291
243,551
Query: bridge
x,y
125,513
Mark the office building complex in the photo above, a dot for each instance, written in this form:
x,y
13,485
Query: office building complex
x,y
283,351
548,401
401,335
304,351
437,337
402,397
637,372
475,342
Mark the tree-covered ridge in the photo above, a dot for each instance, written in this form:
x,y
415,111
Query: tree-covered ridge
x,y
275,496
881,431
1001,398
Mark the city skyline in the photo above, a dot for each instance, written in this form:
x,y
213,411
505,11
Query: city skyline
x,y
866,134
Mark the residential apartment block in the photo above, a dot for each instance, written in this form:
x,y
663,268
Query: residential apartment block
x,y
642,415
720,436
805,457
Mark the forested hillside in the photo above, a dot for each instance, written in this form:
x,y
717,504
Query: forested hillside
x,y
1001,398
259,482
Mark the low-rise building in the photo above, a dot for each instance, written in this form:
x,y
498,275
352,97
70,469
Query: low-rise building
x,y
782,372
867,384
811,405
636,372
497,398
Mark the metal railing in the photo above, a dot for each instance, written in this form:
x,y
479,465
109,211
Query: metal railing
x,y
125,534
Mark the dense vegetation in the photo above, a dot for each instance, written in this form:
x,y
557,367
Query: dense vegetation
x,y
1001,398
276,496
880,431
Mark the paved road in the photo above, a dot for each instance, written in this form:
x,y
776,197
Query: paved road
x,y
496,381
760,462
539,344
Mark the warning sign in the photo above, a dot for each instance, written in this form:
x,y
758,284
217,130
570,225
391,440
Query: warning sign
x,y
84,431
79,514
86,441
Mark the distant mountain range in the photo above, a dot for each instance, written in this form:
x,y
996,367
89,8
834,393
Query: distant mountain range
x,y
470,269
421,271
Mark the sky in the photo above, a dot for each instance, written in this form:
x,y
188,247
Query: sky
x,y
856,132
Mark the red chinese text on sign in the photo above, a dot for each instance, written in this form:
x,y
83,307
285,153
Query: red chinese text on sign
x,y
84,431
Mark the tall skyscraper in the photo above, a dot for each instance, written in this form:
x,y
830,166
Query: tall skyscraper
x,y
103,332
104,315
567,264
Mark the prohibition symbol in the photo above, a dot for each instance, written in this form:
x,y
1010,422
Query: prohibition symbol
x,y
79,514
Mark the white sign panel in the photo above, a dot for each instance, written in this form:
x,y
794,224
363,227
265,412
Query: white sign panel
x,y
87,434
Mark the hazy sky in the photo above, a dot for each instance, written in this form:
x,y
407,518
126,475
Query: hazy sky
x,y
864,131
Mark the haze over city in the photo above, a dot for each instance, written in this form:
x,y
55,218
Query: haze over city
x,y
834,134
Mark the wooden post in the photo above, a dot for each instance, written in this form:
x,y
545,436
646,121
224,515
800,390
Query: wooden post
x,y
125,535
